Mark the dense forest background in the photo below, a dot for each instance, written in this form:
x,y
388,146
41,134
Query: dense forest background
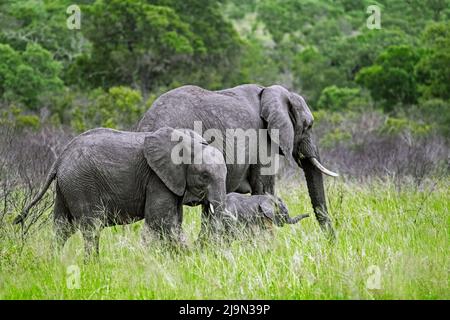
x,y
380,96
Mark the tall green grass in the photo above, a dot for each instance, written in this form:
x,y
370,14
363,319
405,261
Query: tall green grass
x,y
398,235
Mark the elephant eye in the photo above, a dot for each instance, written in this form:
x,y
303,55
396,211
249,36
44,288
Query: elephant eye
x,y
306,127
204,176
304,130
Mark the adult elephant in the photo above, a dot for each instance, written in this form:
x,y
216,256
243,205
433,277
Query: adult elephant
x,y
247,107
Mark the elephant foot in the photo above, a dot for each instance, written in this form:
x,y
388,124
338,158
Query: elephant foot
x,y
329,231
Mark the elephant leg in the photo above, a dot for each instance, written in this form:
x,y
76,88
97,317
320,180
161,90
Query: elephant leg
x,y
62,222
163,212
261,184
91,236
63,230
90,225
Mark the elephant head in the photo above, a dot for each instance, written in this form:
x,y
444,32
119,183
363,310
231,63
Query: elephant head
x,y
185,163
276,211
289,113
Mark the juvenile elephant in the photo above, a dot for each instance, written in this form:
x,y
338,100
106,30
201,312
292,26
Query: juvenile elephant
x,y
257,212
106,177
249,108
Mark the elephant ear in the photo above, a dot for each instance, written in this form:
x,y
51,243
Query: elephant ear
x,y
158,148
267,209
275,110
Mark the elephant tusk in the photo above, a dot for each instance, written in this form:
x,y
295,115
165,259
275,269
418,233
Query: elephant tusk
x,y
211,208
322,169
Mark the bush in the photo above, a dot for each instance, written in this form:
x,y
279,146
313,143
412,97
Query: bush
x,y
28,77
391,79
435,111
432,71
337,99
396,126
118,108
334,138
16,118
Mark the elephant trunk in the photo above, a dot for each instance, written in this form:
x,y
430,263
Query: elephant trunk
x,y
308,158
296,219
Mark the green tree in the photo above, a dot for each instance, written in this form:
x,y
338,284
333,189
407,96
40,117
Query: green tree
x,y
339,99
295,18
391,79
136,43
43,22
30,77
119,108
313,72
433,70
217,64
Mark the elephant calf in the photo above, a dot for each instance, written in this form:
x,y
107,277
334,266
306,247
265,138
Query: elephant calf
x,y
106,177
256,213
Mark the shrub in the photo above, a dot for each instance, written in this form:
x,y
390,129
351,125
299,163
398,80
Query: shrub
x,y
118,108
28,77
334,138
435,111
122,104
336,99
391,79
15,117
396,126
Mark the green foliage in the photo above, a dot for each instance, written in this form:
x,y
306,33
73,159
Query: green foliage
x,y
433,70
339,99
149,43
287,17
28,21
319,48
435,111
15,117
391,79
136,42
334,118
119,108
30,76
314,74
257,67
335,137
395,126
217,63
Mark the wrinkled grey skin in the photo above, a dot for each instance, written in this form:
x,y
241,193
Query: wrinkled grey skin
x,y
106,177
256,210
248,107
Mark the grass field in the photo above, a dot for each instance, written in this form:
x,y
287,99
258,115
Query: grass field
x,y
393,243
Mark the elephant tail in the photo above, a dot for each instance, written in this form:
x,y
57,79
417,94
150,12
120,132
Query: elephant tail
x,y
50,177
